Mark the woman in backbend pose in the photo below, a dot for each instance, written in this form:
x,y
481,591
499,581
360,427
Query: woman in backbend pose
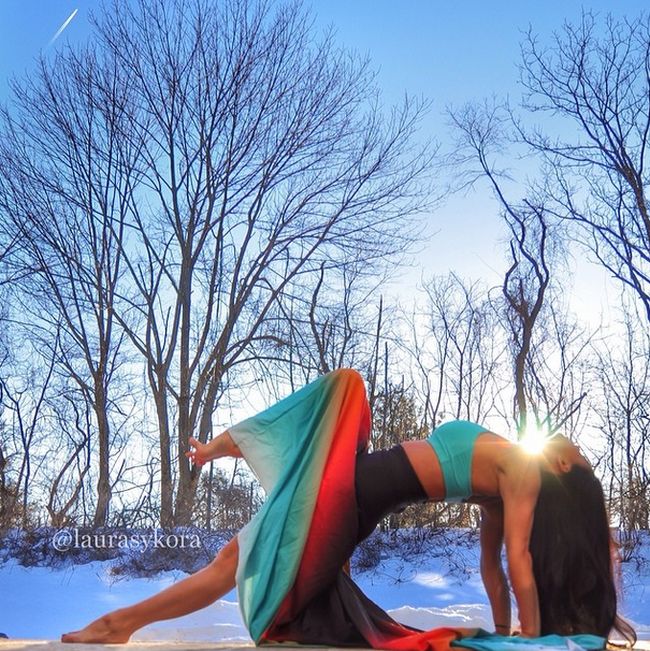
x,y
326,493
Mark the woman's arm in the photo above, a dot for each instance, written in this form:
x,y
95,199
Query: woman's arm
x,y
519,490
220,446
494,578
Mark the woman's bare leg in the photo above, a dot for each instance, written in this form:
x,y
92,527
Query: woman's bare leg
x,y
195,592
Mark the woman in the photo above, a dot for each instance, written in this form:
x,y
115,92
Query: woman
x,y
326,493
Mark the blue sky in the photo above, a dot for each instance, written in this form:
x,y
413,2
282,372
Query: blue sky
x,y
449,52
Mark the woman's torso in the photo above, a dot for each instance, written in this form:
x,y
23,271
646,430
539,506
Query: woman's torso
x,y
485,459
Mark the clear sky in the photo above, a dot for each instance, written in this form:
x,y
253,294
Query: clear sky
x,y
454,52
449,52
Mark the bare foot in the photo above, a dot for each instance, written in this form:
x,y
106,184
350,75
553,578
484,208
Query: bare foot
x,y
104,630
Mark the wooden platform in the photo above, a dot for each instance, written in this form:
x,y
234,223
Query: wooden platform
x,y
51,645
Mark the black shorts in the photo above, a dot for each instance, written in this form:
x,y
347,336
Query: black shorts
x,y
385,482
339,614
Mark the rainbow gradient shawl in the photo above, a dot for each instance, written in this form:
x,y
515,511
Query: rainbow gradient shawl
x,y
290,580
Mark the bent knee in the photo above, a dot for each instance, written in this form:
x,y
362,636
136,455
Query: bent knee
x,y
347,375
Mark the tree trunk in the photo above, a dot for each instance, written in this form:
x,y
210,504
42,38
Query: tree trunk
x,y
166,484
100,518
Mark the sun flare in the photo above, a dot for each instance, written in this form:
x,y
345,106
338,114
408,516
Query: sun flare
x,y
534,439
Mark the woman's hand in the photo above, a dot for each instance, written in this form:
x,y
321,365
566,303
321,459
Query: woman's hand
x,y
220,446
200,455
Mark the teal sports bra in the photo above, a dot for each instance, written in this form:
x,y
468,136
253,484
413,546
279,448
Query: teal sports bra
x,y
453,444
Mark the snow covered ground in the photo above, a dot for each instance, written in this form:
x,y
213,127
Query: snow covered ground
x,y
425,590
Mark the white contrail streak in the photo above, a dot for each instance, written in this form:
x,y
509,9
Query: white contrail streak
x,y
67,22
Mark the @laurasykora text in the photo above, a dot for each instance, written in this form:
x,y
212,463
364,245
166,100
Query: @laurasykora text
x,y
66,539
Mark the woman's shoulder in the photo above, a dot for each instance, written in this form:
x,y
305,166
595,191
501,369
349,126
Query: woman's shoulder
x,y
519,472
513,464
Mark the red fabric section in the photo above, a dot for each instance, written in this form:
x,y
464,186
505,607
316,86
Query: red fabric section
x,y
330,542
438,639
335,504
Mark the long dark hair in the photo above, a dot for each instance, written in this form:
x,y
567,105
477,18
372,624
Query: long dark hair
x,y
571,549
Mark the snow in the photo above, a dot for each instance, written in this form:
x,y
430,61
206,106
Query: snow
x,y
425,590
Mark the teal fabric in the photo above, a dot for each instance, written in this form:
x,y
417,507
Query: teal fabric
x,y
454,444
288,467
485,641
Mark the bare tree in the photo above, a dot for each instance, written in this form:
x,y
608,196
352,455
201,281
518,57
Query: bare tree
x,y
338,326
263,157
457,351
524,289
558,378
482,133
9,244
227,499
8,492
622,379
7,496
396,417
4,462
25,412
66,503
175,180
64,192
594,80
536,326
